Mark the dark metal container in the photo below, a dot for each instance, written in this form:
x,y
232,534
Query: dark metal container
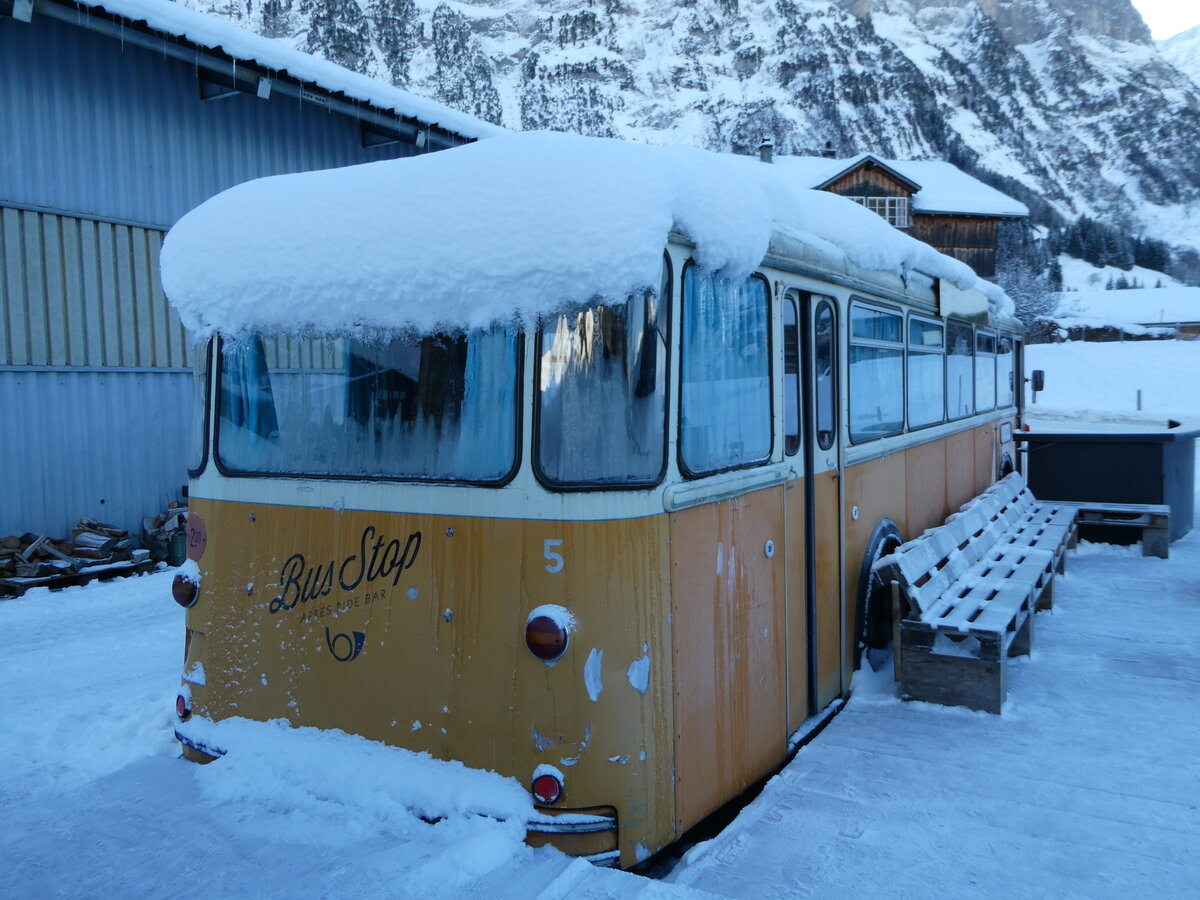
x,y
1142,467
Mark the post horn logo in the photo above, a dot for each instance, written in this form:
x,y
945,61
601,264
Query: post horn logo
x,y
344,647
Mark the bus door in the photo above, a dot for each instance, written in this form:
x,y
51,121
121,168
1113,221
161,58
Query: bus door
x,y
822,504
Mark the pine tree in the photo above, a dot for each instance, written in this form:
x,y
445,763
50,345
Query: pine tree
x,y
337,32
397,29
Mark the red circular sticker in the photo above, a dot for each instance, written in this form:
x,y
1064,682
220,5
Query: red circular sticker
x,y
197,536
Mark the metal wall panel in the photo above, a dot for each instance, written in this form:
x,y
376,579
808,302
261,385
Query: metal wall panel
x,y
77,292
110,445
114,131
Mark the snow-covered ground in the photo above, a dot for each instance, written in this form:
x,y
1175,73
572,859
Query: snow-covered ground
x,y
1087,786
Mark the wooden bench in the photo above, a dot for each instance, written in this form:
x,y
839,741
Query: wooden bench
x,y
1153,522
968,591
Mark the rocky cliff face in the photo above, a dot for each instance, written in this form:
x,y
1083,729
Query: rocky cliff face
x,y
1067,104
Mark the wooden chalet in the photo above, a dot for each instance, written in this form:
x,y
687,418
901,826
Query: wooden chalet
x,y
932,200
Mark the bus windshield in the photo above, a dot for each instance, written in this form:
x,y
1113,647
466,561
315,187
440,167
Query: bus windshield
x,y
440,408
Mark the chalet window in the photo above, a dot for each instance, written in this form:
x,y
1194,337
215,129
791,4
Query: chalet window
x,y
894,209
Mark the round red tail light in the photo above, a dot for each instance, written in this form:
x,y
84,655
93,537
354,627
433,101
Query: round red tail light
x,y
184,590
546,789
546,638
181,707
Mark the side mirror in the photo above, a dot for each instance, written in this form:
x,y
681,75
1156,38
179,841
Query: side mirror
x,y
1038,380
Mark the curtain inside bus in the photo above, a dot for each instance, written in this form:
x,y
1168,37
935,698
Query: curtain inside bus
x,y
441,407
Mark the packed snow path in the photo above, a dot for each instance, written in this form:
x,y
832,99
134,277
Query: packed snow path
x,y
1089,785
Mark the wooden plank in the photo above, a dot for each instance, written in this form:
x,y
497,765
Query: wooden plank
x,y
1002,612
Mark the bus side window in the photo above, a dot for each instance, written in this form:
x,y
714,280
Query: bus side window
x,y
926,373
960,370
825,361
601,403
725,406
985,371
791,377
876,373
1005,382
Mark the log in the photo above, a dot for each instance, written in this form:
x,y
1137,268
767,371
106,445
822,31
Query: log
x,y
10,542
42,569
49,548
86,524
34,547
93,541
90,553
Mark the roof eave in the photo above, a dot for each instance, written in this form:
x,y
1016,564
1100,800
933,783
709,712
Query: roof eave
x,y
873,162
139,32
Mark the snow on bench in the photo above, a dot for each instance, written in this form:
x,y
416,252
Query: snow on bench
x,y
972,586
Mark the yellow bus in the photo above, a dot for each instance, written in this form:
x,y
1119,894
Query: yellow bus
x,y
620,553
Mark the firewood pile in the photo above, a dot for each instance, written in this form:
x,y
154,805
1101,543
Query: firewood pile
x,y
158,532
94,548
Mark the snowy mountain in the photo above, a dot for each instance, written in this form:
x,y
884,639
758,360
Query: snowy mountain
x,y
1183,51
1066,104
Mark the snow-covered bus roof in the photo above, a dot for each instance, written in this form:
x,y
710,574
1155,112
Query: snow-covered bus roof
x,y
211,33
510,227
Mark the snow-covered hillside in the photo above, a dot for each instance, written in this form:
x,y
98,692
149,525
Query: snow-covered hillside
x,y
1080,275
1067,103
1183,51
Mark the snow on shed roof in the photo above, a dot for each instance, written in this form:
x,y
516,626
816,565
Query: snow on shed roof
x,y
513,226
215,34
944,188
1140,306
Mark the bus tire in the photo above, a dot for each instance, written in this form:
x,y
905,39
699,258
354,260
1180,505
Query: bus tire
x,y
1006,465
873,607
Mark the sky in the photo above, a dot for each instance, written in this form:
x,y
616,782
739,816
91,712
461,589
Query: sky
x,y
1167,18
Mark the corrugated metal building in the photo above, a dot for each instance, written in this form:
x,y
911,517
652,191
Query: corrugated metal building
x,y
116,118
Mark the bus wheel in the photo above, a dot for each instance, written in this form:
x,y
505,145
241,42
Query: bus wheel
x,y
873,609
1006,465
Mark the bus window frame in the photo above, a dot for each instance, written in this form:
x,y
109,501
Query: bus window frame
x,y
902,345
206,402
518,454
826,439
568,487
792,301
1014,373
942,351
684,470
982,335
